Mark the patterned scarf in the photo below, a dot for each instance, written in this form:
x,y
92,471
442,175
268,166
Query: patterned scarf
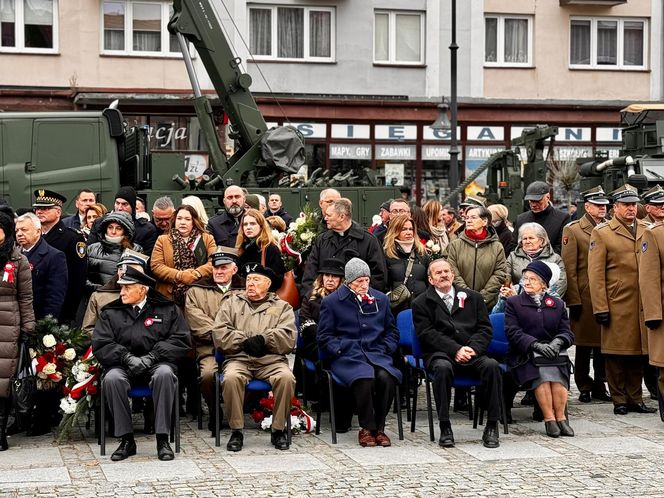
x,y
183,259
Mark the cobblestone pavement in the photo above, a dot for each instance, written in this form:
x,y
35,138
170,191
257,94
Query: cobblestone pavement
x,y
610,456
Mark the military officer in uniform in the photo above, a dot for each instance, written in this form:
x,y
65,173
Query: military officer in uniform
x,y
576,238
202,303
654,204
613,274
48,208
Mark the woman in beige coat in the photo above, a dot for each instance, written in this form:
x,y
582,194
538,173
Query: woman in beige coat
x,y
181,256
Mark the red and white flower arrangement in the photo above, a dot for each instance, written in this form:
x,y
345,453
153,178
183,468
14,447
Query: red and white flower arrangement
x,y
434,250
301,421
299,237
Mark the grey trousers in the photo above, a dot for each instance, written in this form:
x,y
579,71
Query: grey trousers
x,y
116,385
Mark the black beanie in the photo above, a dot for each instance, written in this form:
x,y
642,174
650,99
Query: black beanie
x,y
129,195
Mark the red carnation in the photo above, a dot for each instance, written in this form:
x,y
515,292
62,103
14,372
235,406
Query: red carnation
x,y
60,348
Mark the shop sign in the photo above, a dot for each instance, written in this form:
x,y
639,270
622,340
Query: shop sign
x,y
488,133
396,132
482,152
609,134
166,135
351,131
311,130
565,134
431,134
572,153
350,151
437,153
406,152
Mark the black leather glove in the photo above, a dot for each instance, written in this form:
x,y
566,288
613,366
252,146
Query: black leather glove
x,y
134,364
603,318
653,324
556,344
148,361
254,346
575,312
544,349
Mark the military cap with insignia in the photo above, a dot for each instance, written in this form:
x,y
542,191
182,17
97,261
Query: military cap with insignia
x,y
130,257
134,276
596,195
224,255
256,268
627,193
48,198
654,196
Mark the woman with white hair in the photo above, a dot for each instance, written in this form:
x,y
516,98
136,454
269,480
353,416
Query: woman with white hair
x,y
534,245
197,204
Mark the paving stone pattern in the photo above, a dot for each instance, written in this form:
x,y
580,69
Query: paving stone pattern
x,y
610,456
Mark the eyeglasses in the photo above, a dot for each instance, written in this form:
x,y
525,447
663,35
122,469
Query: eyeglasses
x,y
399,211
472,217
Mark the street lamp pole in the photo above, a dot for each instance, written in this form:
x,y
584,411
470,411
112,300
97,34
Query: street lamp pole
x,y
454,149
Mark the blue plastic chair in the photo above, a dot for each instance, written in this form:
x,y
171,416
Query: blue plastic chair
x,y
497,349
139,391
252,385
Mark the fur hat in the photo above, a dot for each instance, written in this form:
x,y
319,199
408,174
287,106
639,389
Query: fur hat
x,y
355,269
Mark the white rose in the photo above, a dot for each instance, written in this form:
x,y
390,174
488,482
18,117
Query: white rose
x,y
305,237
429,244
300,221
81,376
82,367
67,406
49,369
69,354
435,248
266,423
49,341
292,226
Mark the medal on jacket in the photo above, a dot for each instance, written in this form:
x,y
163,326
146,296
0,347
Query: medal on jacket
x,y
549,302
8,276
462,299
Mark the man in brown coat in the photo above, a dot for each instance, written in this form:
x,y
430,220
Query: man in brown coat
x,y
651,275
576,238
255,330
614,285
202,304
654,204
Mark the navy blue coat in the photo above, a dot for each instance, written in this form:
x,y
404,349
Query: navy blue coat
x,y
526,323
73,221
352,341
49,279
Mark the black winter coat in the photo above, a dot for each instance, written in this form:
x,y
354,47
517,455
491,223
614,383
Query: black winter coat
x,y
553,220
224,229
309,316
159,328
356,242
49,279
273,259
504,235
396,273
442,334
288,219
146,235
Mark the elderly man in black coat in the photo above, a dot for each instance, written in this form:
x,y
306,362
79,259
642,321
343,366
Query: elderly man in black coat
x,y
454,330
140,337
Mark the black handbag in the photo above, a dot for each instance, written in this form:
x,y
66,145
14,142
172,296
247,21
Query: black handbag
x,y
562,360
23,384
400,295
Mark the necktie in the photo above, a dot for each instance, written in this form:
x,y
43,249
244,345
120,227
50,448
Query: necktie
x,y
137,309
448,302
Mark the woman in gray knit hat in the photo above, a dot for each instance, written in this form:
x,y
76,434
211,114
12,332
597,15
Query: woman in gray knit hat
x,y
358,334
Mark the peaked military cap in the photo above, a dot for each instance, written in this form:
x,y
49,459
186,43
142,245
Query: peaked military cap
x,y
654,196
626,193
472,201
596,195
224,255
48,198
130,257
134,276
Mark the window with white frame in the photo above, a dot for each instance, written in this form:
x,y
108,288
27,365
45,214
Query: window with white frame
x,y
29,26
292,33
608,43
132,27
508,40
398,37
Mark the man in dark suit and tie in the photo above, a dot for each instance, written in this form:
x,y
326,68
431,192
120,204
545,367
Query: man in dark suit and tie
x,y
454,330
48,266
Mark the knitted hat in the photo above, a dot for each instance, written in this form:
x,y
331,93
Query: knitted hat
x,y
355,269
129,195
541,269
252,201
121,218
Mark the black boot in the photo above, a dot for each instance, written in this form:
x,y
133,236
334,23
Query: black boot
x,y
4,413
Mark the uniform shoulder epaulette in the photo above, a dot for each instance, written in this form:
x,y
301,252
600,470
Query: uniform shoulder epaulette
x,y
602,225
573,222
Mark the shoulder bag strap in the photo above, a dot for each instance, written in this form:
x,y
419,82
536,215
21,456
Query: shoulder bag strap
x,y
409,267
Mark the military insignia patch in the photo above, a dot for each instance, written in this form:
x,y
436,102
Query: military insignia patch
x,y
80,249
42,193
565,240
644,247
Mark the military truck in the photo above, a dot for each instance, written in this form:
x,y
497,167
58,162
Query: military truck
x,y
67,151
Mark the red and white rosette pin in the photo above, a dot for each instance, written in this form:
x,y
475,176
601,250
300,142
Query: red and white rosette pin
x,y
148,322
548,302
462,299
8,275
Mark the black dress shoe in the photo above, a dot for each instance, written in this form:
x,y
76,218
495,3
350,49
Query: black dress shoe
x,y
446,438
235,442
602,396
552,428
620,410
490,437
640,408
584,397
565,429
280,440
126,449
164,451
